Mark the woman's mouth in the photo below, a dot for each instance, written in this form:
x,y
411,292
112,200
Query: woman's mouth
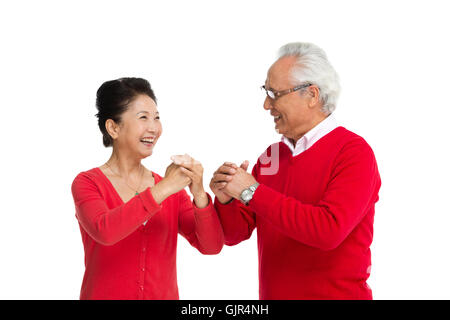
x,y
148,142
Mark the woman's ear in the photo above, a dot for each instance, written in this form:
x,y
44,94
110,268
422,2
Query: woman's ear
x,y
113,128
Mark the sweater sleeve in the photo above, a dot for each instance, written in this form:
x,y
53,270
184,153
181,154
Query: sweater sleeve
x,y
238,221
352,189
108,226
201,227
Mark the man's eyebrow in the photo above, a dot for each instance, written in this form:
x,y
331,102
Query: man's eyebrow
x,y
268,87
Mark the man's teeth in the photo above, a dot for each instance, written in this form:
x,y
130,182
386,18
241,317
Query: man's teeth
x,y
277,117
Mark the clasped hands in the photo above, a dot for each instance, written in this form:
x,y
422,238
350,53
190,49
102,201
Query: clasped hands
x,y
186,171
228,180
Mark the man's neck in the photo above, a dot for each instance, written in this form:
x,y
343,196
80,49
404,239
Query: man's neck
x,y
312,125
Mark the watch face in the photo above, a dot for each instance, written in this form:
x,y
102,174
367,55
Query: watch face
x,y
246,195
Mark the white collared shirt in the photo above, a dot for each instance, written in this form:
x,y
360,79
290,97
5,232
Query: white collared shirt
x,y
312,136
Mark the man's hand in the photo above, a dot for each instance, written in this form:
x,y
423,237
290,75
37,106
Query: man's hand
x,y
220,179
240,181
220,182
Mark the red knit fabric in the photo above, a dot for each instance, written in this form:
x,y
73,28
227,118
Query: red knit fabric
x,y
314,220
125,259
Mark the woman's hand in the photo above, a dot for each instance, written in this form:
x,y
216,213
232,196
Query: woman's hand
x,y
194,170
174,180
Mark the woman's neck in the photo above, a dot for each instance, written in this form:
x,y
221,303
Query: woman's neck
x,y
124,165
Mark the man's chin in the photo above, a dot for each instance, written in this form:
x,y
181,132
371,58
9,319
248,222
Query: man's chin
x,y
279,131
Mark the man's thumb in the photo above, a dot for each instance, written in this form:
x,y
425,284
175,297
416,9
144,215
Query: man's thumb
x,y
244,165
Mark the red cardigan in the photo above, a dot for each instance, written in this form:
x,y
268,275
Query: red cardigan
x,y
125,259
314,220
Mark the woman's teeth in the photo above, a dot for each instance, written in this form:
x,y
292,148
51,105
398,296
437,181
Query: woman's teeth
x,y
147,140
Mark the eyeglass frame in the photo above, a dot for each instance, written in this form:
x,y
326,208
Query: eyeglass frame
x,y
278,94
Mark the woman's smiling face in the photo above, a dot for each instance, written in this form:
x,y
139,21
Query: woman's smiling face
x,y
139,127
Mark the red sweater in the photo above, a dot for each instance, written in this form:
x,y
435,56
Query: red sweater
x,y
314,220
125,259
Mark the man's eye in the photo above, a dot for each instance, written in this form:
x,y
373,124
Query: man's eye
x,y
157,118
143,117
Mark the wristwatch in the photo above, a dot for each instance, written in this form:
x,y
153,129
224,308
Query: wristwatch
x,y
248,193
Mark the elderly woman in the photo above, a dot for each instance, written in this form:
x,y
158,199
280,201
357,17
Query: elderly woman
x,y
129,216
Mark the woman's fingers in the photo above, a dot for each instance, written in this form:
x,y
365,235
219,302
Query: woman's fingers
x,y
187,172
187,165
185,158
180,159
187,162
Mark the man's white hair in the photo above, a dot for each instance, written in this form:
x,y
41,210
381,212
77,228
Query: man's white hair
x,y
313,67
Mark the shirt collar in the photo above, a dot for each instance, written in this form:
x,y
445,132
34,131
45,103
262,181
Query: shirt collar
x,y
312,136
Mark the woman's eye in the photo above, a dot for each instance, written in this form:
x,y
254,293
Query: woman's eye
x,y
157,118
143,117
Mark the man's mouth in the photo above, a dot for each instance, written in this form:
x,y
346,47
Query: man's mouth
x,y
276,118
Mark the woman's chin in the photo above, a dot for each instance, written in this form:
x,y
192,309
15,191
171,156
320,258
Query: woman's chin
x,y
146,152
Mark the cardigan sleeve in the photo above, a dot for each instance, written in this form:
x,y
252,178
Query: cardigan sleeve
x,y
108,226
238,221
201,227
351,191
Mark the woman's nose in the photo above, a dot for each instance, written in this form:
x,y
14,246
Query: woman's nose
x,y
152,128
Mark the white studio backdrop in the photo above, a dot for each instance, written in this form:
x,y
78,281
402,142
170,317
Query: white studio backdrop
x,y
206,61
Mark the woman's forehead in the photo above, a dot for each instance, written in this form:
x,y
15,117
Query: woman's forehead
x,y
143,103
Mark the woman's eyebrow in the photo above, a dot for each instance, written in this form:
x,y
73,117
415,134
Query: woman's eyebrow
x,y
157,112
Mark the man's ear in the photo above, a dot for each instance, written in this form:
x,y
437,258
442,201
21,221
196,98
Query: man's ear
x,y
113,128
314,92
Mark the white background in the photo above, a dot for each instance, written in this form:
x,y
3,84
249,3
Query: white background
x,y
206,61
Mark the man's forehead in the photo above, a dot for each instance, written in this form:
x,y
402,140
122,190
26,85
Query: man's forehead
x,y
279,72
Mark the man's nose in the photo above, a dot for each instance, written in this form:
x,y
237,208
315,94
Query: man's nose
x,y
268,103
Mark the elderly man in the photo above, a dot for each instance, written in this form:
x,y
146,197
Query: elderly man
x,y
311,196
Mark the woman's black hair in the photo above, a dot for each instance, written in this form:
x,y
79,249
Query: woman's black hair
x,y
113,98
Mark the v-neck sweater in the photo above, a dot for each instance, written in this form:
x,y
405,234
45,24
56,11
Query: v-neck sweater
x,y
125,259
314,219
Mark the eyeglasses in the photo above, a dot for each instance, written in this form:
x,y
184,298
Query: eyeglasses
x,y
272,94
